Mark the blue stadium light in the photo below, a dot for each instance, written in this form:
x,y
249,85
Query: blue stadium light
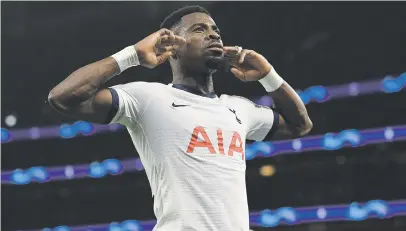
x,y
268,218
132,225
20,177
354,211
330,141
5,135
315,93
109,166
97,170
333,141
80,127
114,226
259,148
113,166
392,85
358,212
39,174
33,174
62,228
320,94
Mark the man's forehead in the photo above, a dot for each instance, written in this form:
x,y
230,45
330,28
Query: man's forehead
x,y
197,18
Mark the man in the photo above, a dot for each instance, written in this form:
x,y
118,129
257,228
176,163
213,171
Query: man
x,y
190,141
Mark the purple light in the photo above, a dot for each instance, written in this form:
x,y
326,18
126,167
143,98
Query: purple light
x,y
332,92
261,150
138,165
34,132
353,89
303,215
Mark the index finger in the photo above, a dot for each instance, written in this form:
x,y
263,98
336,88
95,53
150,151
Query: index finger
x,y
172,40
231,52
229,48
164,31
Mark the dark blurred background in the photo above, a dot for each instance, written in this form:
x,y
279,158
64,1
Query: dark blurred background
x,y
309,43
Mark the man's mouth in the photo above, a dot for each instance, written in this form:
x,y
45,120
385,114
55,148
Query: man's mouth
x,y
215,47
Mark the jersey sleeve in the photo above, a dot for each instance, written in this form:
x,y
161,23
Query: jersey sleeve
x,y
129,102
263,122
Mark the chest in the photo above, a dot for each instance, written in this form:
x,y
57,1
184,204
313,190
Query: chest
x,y
198,127
212,115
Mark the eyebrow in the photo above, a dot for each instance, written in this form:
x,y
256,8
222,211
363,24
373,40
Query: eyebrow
x,y
214,26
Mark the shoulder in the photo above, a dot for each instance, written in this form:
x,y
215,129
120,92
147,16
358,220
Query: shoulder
x,y
141,89
235,99
240,101
140,86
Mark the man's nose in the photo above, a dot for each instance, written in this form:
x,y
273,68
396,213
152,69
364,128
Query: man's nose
x,y
214,36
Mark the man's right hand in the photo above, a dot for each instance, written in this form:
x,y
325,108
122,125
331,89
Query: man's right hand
x,y
158,47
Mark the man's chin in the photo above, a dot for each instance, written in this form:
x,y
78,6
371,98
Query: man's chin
x,y
218,63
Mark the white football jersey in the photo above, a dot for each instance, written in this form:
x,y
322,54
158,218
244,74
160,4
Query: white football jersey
x,y
192,148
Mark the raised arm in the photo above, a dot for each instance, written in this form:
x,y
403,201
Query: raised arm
x,y
292,119
82,96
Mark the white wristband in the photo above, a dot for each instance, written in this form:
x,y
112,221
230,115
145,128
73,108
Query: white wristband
x,y
272,81
126,58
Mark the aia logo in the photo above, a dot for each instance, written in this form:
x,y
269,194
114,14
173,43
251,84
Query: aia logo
x,y
236,144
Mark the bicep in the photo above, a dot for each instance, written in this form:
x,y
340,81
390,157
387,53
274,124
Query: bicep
x,y
98,109
118,104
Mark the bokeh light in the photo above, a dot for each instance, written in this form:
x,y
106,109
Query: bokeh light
x,y
11,120
267,170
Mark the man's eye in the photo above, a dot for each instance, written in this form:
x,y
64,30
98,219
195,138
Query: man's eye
x,y
199,29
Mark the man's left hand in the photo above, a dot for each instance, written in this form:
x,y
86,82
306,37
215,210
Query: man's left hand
x,y
247,65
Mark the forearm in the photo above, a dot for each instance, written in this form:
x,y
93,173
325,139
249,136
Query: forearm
x,y
76,93
81,95
296,121
82,84
288,103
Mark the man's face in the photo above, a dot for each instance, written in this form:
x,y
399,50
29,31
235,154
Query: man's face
x,y
204,46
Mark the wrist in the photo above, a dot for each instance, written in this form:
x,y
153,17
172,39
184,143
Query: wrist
x,y
272,81
126,58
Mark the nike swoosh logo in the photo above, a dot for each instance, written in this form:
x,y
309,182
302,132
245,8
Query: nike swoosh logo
x,y
179,105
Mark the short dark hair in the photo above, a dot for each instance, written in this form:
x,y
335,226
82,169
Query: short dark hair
x,y
175,17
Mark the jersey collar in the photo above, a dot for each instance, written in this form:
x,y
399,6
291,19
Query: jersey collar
x,y
193,91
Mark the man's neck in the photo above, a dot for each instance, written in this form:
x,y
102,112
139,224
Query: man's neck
x,y
202,83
